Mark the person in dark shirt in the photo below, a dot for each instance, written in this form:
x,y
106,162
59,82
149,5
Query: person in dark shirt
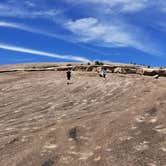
x,y
68,74
104,72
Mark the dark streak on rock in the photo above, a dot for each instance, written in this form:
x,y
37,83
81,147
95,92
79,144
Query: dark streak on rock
x,y
48,162
152,111
73,133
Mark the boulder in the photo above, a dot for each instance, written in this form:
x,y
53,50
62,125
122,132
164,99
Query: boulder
x,y
92,68
139,71
162,72
118,70
156,76
110,69
150,72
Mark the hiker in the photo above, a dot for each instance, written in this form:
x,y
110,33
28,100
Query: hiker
x,y
68,74
104,72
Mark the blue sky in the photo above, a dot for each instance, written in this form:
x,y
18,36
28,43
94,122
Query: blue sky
x,y
83,30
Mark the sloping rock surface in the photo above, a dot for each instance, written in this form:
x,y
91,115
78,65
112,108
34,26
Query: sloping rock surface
x,y
117,121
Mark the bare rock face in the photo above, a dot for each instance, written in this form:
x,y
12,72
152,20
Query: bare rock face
x,y
130,70
156,76
125,70
152,72
111,68
116,121
141,71
119,70
162,72
80,68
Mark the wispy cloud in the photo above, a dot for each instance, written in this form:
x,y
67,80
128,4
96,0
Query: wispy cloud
x,y
30,3
91,30
95,27
16,26
34,30
121,5
129,6
34,9
26,28
42,53
23,11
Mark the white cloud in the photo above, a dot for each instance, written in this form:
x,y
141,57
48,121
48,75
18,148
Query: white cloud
x,y
100,30
121,5
30,3
134,6
14,25
84,23
13,10
124,5
44,33
27,28
42,53
91,30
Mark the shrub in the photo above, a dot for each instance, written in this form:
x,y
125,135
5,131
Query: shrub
x,y
99,63
68,65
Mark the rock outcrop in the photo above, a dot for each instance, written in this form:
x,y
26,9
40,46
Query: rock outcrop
x,y
112,68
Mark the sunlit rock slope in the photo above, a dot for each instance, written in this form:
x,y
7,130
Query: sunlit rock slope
x,y
117,121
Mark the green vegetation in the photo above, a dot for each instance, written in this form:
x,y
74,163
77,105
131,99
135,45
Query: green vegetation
x,y
69,64
99,63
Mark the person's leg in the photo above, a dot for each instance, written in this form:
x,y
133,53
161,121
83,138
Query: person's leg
x,y
68,77
68,80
